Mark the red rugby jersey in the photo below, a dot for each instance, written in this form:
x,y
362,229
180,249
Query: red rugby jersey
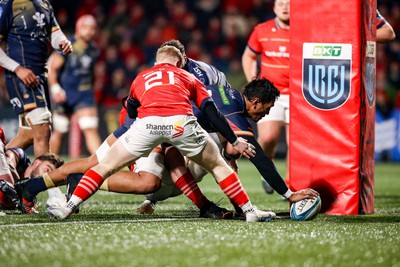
x,y
166,90
272,42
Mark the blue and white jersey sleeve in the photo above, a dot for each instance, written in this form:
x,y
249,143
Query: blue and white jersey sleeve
x,y
232,105
207,73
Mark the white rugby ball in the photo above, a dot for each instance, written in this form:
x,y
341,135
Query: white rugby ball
x,y
306,209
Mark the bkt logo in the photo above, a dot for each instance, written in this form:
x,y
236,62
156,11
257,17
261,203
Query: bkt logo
x,y
326,75
327,51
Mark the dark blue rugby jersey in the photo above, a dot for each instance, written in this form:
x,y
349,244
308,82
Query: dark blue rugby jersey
x,y
206,73
26,26
77,72
232,105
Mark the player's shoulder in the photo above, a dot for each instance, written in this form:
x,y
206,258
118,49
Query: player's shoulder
x,y
265,25
200,63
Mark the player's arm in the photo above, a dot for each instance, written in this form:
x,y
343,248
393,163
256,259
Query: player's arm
x,y
385,33
58,39
25,75
221,125
60,42
249,64
268,171
56,62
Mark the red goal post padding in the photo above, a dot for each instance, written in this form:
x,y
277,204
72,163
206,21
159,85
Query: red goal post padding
x,y
332,80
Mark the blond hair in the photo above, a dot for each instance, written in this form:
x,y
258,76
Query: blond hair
x,y
168,54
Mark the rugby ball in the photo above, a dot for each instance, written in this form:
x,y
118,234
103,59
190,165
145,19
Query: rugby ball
x,y
306,209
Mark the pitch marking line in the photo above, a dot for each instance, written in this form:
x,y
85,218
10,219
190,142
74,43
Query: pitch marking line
x,y
56,222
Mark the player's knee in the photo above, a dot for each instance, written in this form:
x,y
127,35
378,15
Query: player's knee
x,y
60,123
102,151
38,116
153,184
88,122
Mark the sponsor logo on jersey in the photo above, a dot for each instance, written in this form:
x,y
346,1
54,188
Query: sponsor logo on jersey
x,y
225,99
281,53
159,129
326,74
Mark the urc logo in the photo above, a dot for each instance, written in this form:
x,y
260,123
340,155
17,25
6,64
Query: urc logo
x,y
326,74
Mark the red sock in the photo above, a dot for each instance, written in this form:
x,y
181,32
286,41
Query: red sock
x,y
233,188
89,184
188,186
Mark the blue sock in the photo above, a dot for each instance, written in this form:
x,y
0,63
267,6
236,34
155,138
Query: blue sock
x,y
35,186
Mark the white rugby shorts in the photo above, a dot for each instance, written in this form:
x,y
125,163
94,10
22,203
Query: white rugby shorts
x,y
181,131
280,111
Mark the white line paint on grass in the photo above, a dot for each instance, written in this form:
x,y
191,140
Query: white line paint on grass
x,y
58,222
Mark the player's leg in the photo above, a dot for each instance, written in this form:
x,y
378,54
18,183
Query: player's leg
x,y
268,136
182,178
5,172
134,143
23,139
145,178
178,179
33,106
29,188
229,182
8,196
197,145
60,128
117,157
88,123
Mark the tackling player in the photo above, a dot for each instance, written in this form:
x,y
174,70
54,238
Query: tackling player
x,y
149,171
160,97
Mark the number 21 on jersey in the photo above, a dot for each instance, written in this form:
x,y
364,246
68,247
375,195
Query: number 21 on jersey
x,y
158,78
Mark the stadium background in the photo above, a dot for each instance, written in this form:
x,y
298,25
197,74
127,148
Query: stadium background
x,y
213,31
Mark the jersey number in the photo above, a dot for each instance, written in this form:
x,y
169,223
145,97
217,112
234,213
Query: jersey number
x,y
158,78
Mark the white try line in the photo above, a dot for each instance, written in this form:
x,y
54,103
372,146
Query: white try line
x,y
58,222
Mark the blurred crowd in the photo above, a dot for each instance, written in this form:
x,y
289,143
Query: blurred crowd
x,y
214,31
388,62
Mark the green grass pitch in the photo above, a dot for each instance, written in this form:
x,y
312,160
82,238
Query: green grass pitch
x,y
107,232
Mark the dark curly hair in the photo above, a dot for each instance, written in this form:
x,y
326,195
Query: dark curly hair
x,y
262,89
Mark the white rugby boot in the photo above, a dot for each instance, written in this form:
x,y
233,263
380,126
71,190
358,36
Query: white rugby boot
x,y
257,215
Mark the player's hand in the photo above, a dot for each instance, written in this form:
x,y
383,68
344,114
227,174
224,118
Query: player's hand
x,y
65,47
58,93
27,77
59,97
245,148
303,194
